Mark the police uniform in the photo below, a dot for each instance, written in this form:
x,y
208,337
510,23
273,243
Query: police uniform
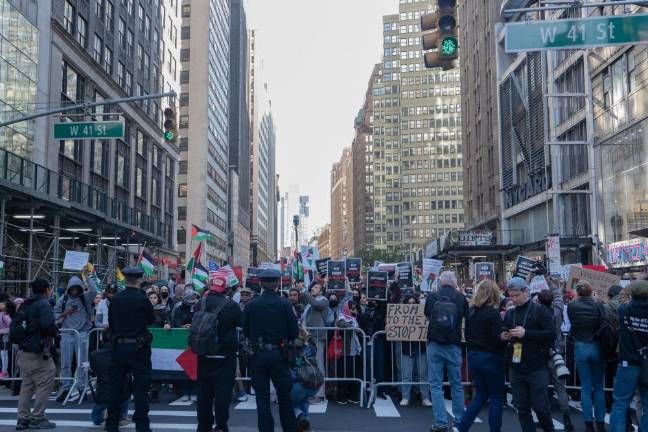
x,y
269,324
129,314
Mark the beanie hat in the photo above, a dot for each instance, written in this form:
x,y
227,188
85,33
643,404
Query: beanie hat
x,y
639,289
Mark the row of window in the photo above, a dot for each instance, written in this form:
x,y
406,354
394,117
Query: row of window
x,y
431,191
432,177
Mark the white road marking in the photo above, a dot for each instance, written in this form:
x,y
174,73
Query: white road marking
x,y
385,408
249,404
181,402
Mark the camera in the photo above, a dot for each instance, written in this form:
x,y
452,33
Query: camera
x,y
558,363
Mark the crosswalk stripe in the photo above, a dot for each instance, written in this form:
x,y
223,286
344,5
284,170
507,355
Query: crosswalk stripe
x,y
557,425
319,408
77,411
385,408
84,424
180,402
249,404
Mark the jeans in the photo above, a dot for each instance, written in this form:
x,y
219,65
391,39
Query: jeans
x,y
300,395
529,390
591,370
487,372
70,347
407,372
97,414
625,386
321,364
440,358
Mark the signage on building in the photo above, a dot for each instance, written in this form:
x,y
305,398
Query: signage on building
x,y
627,253
521,192
472,238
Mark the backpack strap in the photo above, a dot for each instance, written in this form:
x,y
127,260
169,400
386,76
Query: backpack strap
x,y
220,306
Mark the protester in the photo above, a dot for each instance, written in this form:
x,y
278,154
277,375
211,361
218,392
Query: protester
x,y
33,330
332,312
413,357
364,301
633,355
219,317
485,356
372,321
446,310
165,297
246,296
73,312
171,284
348,365
101,311
586,316
315,316
295,303
181,318
7,311
612,317
529,328
161,312
302,392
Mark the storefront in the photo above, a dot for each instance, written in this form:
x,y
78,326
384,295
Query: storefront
x,y
627,258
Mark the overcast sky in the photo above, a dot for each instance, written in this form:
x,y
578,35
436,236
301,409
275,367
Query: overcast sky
x,y
318,56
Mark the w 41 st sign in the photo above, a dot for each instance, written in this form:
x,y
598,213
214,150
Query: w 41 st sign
x,y
576,33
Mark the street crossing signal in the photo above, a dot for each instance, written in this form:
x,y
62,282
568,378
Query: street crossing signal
x,y
170,125
441,40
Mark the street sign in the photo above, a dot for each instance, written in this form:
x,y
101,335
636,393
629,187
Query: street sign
x,y
89,130
576,33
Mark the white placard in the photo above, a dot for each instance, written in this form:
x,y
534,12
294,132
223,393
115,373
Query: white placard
x,y
553,254
538,283
431,270
75,260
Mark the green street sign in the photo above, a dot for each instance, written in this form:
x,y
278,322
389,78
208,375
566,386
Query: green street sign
x,y
89,130
576,33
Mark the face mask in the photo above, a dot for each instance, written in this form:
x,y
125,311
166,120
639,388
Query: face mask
x,y
164,294
333,303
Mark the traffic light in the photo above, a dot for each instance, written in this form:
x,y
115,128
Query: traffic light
x,y
441,40
170,125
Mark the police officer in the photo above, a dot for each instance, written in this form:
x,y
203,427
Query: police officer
x,y
129,314
270,325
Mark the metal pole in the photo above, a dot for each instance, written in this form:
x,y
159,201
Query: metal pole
x,y
2,225
30,250
99,257
574,6
56,251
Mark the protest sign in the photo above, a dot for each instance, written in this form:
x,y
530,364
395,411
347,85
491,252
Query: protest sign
x,y
524,266
252,279
553,254
405,277
484,270
75,260
322,266
389,268
336,277
600,281
431,270
353,266
286,277
377,285
565,269
406,322
309,255
537,284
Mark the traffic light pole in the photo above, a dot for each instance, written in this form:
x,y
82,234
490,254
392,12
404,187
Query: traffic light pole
x,y
87,105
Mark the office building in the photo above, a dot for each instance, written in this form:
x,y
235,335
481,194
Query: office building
x,y
323,241
341,235
294,204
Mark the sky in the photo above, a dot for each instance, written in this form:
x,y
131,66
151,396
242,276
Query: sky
x,y
317,57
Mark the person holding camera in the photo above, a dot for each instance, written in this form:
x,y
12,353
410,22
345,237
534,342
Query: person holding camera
x,y
530,332
586,316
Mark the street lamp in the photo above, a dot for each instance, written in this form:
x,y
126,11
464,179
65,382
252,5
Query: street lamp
x,y
296,225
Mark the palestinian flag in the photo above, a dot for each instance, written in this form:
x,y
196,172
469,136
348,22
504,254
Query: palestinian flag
x,y
194,259
171,358
120,279
199,234
145,262
92,274
199,277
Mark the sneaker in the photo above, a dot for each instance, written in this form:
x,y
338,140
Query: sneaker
x,y
404,402
41,424
22,424
61,397
353,401
342,401
4,374
426,403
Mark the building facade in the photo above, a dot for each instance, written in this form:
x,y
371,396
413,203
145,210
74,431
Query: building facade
x,y
340,238
204,125
323,241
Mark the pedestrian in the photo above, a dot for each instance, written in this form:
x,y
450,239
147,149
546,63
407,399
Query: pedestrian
x,y
485,356
270,326
33,330
446,310
413,357
349,365
314,318
73,312
101,311
529,328
129,315
7,311
219,317
633,357
586,315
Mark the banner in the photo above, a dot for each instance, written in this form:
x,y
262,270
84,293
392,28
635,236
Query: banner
x,y
309,255
171,359
336,278
353,266
524,266
322,266
406,322
431,270
75,260
600,281
252,279
553,254
405,276
377,285
484,270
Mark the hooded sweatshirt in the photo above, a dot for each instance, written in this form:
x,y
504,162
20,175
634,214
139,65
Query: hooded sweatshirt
x,y
81,320
633,318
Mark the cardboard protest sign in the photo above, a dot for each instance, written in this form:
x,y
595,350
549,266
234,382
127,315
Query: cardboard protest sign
x,y
336,277
537,284
431,270
252,279
309,255
322,266
75,260
353,266
600,281
377,285
406,322
405,276
565,269
524,266
484,270
389,268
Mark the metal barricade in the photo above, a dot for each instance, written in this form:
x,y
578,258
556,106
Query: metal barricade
x,y
94,334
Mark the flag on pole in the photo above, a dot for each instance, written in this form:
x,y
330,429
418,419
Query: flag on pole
x,y
121,280
92,274
213,269
145,262
226,272
194,259
199,234
200,277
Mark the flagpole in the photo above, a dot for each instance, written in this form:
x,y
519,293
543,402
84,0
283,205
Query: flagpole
x,y
141,253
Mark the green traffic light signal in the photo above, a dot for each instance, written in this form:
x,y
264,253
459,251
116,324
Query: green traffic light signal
x,y
449,46
168,136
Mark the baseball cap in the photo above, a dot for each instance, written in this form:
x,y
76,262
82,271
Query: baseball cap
x,y
218,284
516,283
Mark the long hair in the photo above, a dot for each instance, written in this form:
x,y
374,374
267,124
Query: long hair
x,y
487,294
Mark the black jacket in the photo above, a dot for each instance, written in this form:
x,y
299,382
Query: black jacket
x,y
130,313
633,334
182,314
373,320
484,329
270,318
462,310
99,367
41,322
229,319
585,318
539,335
161,316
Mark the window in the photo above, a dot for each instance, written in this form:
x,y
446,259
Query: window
x,y
129,43
141,143
140,56
121,74
108,15
184,77
121,168
99,153
147,65
71,149
155,155
73,83
130,7
185,32
147,28
99,9
108,60
185,54
129,83
182,190
184,99
121,29
140,17
186,11
82,31
98,49
140,180
68,17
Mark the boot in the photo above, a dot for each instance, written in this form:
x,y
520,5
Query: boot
x,y
589,427
600,426
569,427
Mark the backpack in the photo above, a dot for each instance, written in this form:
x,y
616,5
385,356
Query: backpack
x,y
21,326
203,334
444,320
607,338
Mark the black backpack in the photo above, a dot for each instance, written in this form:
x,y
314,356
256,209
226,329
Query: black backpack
x,y
203,335
22,326
607,337
444,320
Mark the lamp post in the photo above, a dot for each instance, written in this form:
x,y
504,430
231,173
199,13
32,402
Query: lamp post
x,y
296,225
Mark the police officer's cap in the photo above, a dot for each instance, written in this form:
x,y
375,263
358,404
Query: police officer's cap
x,y
269,274
133,272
